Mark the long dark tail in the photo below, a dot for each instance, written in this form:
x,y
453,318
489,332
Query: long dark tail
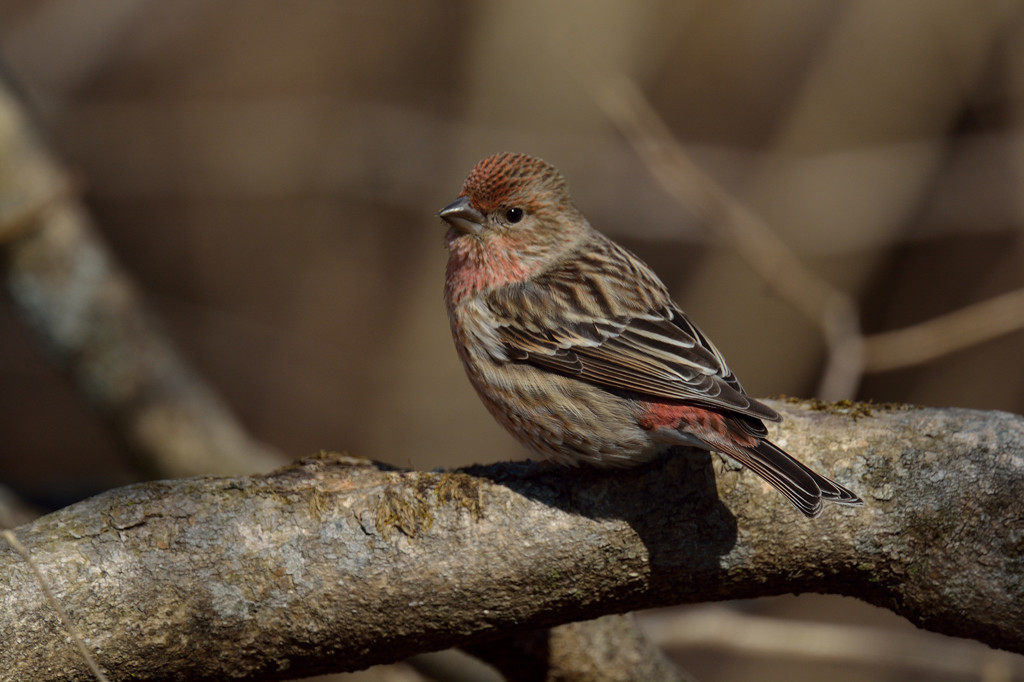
x,y
806,489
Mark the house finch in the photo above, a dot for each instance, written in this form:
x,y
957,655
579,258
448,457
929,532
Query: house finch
x,y
575,346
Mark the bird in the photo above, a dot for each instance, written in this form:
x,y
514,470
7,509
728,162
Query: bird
x,y
575,346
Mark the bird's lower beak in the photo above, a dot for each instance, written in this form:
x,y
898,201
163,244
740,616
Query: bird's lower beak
x,y
461,215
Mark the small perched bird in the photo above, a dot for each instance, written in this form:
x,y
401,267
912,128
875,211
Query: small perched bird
x,y
575,346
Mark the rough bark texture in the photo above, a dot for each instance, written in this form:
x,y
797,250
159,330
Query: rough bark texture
x,y
336,563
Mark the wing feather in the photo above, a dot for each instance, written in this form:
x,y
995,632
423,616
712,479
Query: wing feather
x,y
605,318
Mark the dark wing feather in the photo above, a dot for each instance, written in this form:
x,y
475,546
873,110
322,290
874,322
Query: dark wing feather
x,y
605,318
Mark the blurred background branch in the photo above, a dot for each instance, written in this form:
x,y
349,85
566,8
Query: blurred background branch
x,y
91,317
916,654
849,352
833,311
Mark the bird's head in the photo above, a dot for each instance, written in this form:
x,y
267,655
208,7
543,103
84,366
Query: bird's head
x,y
515,210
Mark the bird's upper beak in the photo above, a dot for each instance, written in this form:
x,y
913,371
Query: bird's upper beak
x,y
461,215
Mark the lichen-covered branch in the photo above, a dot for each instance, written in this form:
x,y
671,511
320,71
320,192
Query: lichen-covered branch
x,y
336,563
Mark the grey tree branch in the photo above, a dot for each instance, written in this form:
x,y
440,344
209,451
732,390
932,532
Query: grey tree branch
x,y
336,563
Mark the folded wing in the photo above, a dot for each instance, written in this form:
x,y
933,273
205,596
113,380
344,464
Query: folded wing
x,y
605,318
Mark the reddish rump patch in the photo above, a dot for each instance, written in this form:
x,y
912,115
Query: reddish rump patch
x,y
662,416
699,421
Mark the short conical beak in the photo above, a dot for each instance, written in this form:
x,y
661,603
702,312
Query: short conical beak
x,y
462,216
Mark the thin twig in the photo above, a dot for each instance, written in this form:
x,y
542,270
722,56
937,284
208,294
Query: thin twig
x,y
831,309
850,353
76,636
945,334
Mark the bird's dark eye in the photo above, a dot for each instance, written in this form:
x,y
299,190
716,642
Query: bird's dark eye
x,y
514,215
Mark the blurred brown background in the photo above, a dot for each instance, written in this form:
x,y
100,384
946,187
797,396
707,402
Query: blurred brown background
x,y
270,171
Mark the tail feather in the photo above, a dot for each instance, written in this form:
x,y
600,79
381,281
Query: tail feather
x,y
805,488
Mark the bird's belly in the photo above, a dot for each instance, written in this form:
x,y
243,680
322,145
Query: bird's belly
x,y
563,419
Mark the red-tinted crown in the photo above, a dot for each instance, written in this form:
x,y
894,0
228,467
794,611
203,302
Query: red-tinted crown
x,y
508,178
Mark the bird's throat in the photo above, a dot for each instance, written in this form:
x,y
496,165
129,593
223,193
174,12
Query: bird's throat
x,y
476,265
